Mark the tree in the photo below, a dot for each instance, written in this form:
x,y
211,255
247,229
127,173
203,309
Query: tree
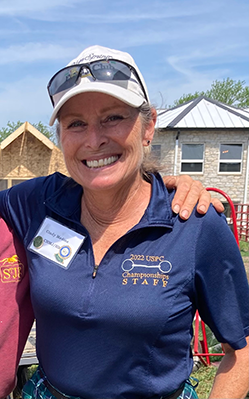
x,y
187,97
12,126
227,91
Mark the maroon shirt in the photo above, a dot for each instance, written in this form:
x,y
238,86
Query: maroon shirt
x,y
16,314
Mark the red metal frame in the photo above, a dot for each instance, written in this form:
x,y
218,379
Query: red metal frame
x,y
205,355
242,216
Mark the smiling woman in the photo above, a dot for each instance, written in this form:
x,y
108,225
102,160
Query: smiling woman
x,y
102,140
116,277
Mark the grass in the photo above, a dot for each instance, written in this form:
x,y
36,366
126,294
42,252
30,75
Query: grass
x,y
205,375
31,369
244,248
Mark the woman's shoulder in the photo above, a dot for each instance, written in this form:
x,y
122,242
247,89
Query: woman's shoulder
x,y
211,224
211,217
34,190
42,183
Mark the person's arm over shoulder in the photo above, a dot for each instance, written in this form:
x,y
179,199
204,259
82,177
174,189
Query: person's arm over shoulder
x,y
16,314
190,192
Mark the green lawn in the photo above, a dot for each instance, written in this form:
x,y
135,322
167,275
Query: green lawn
x,y
244,248
205,375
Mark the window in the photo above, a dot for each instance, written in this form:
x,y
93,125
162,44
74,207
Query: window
x,y
156,151
230,158
7,183
192,158
3,184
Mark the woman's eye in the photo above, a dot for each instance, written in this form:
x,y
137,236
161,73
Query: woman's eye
x,y
75,124
113,119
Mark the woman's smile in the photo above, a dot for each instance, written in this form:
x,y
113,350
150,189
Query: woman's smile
x,y
96,164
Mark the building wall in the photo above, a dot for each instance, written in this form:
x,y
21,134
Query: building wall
x,y
27,157
232,184
166,138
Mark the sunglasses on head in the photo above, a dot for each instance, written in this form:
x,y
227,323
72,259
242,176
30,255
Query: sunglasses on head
x,y
102,71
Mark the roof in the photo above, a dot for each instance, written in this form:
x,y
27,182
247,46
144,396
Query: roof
x,y
203,112
26,127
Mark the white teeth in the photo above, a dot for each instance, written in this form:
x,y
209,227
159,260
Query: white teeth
x,y
101,162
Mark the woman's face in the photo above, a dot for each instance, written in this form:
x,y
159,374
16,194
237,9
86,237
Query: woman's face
x,y
102,140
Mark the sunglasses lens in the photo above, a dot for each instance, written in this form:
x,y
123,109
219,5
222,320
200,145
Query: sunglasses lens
x,y
64,80
110,70
103,71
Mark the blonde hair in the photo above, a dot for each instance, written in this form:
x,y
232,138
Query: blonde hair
x,y
150,163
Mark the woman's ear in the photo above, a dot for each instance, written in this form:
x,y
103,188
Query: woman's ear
x,y
150,129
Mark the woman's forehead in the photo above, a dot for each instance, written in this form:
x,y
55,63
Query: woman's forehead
x,y
91,101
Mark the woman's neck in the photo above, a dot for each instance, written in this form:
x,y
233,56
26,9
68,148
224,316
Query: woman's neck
x,y
115,207
109,215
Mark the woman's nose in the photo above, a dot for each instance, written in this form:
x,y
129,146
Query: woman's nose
x,y
95,136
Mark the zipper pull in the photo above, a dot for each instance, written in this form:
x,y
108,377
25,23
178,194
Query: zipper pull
x,y
95,271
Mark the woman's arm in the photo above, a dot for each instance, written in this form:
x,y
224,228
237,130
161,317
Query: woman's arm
x,y
232,378
188,193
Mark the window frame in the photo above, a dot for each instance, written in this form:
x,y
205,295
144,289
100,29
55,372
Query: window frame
x,y
192,160
230,161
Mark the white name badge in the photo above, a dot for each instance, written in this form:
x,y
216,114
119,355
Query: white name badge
x,y
56,242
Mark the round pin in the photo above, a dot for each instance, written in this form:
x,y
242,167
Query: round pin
x,y
65,251
38,242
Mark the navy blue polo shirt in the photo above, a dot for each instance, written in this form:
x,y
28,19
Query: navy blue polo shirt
x,y
126,333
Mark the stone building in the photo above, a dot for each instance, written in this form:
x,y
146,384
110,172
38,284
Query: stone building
x,y
27,153
209,141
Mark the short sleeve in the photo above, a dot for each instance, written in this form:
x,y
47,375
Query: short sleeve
x,y
221,284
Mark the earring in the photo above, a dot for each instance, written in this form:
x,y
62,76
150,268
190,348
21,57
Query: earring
x,y
148,142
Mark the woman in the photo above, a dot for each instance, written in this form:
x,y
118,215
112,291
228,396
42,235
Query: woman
x,y
115,280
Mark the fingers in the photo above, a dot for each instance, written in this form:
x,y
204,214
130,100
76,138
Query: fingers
x,y
186,196
217,204
191,192
170,182
204,201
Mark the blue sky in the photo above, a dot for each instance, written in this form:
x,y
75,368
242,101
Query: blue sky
x,y
181,46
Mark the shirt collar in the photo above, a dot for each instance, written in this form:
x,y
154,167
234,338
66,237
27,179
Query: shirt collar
x,y
66,202
159,209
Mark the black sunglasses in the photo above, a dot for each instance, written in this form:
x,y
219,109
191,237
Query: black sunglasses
x,y
103,70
